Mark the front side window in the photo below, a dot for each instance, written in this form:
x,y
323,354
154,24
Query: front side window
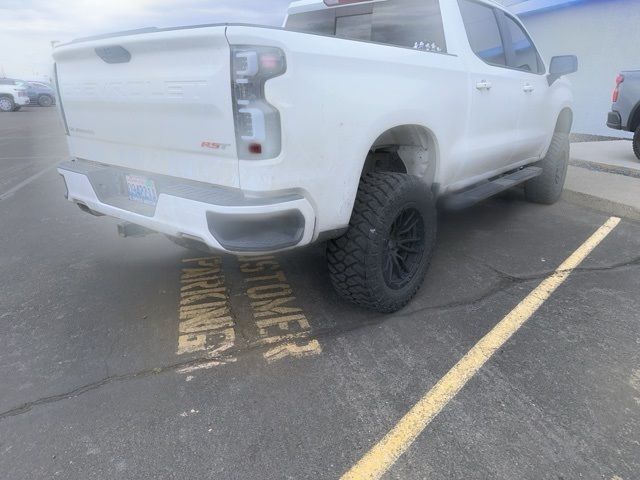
x,y
525,55
403,23
483,32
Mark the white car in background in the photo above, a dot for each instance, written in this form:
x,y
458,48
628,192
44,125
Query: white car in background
x,y
12,97
349,125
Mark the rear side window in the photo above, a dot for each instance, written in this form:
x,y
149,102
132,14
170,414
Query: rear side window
x,y
409,23
354,27
403,23
320,22
525,55
484,34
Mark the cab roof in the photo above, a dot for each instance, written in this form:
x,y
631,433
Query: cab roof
x,y
301,6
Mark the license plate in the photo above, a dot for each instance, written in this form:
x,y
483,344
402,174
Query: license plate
x,y
141,189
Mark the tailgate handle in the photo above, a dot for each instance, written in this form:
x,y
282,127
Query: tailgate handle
x,y
113,54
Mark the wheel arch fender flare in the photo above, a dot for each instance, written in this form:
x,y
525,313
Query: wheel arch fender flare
x,y
634,118
563,123
416,146
420,153
564,120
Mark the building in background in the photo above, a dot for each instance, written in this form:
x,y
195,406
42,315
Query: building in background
x,y
604,34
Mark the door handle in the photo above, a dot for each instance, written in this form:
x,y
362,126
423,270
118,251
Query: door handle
x,y
483,85
528,88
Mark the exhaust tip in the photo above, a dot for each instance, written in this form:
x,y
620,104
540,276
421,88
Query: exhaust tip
x,y
86,209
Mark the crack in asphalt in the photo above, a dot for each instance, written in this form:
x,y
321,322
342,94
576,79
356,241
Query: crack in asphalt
x,y
26,407
505,281
542,275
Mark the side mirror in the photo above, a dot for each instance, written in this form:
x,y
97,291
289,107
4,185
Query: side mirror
x,y
562,65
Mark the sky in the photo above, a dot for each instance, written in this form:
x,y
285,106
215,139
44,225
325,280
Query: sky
x,y
28,26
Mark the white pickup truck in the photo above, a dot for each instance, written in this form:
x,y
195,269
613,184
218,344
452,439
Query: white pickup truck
x,y
349,125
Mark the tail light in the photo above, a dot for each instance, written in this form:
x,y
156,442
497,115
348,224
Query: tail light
x,y
257,122
22,93
616,91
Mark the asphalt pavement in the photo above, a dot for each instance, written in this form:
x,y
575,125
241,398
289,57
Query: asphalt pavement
x,y
107,373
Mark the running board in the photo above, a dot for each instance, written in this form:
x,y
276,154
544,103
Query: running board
x,y
480,192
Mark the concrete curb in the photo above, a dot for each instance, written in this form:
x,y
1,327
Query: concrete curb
x,y
605,167
602,205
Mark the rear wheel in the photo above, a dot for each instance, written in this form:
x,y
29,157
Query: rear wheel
x,y
636,143
547,187
45,101
6,104
381,261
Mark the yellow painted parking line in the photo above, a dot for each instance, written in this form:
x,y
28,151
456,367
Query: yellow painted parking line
x,y
386,452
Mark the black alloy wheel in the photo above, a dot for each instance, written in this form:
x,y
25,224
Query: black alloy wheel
x,y
381,261
404,248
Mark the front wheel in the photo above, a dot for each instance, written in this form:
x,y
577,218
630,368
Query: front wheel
x,y
547,187
6,104
381,261
636,143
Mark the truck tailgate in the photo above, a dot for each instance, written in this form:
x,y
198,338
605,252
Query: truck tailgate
x,y
157,102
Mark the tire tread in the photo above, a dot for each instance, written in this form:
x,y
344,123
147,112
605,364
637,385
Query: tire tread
x,y
352,275
545,188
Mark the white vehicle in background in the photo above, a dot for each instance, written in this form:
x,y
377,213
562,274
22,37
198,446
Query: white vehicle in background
x,y
12,97
349,125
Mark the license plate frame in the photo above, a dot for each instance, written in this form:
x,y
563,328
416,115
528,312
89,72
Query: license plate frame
x,y
141,189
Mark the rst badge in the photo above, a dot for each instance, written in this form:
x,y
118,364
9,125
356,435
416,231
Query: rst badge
x,y
215,145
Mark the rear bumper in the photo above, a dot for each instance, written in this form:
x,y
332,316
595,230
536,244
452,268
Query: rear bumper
x,y
614,120
224,219
22,101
